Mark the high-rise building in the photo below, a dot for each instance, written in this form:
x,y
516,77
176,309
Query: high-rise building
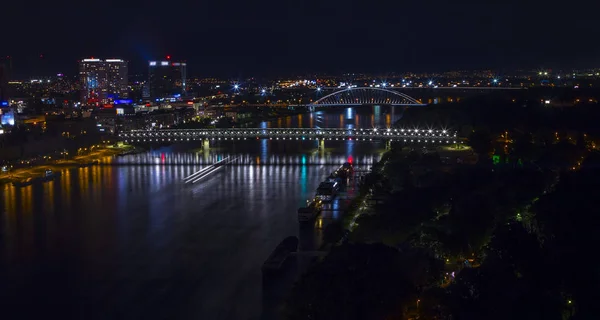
x,y
103,81
5,69
117,78
167,79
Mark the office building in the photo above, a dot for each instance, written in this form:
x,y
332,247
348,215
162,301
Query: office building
x,y
167,79
103,81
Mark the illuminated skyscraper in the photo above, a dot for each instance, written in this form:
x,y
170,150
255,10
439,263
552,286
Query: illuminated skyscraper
x,y
116,75
103,81
167,79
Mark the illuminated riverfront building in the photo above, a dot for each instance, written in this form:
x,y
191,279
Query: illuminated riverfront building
x,y
167,79
103,81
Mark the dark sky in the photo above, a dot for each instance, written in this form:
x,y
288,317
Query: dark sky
x,y
246,38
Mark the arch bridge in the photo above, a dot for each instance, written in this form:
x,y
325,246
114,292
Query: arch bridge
x,y
366,95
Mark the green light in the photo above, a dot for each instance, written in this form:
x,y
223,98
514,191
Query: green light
x,y
496,159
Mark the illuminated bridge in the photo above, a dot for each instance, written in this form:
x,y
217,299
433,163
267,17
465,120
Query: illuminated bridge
x,y
366,96
183,135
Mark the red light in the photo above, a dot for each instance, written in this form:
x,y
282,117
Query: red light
x,y
350,159
168,57
190,103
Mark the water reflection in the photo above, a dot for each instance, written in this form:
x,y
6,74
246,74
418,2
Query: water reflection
x,y
129,231
353,117
182,159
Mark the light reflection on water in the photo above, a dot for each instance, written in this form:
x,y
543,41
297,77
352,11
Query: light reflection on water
x,y
111,240
129,232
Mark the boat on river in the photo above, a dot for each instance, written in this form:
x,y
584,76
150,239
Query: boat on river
x,y
327,190
280,255
49,175
310,212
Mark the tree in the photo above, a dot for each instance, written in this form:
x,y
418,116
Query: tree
x,y
481,142
361,281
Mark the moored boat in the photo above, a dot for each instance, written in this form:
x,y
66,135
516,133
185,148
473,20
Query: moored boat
x,y
49,175
310,212
279,256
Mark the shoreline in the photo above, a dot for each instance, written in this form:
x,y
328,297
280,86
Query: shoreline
x,y
60,165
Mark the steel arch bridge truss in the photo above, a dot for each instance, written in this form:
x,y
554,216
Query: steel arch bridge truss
x,y
366,95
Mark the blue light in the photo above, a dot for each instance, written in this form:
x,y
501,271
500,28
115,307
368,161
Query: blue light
x,y
495,80
235,86
123,101
4,103
7,119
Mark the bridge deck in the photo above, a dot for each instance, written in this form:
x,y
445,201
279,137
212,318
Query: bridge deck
x,y
174,135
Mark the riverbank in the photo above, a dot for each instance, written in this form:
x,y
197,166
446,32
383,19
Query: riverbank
x,y
20,174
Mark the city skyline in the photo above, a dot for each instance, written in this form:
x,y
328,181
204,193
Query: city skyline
x,y
239,39
17,74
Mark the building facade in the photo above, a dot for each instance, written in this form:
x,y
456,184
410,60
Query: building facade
x,y
103,81
167,79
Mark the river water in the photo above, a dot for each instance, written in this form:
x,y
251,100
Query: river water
x,y
129,239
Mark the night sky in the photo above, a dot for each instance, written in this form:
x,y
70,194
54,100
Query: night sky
x,y
260,38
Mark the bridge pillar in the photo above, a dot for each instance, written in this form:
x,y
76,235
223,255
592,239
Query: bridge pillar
x,y
205,144
388,144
